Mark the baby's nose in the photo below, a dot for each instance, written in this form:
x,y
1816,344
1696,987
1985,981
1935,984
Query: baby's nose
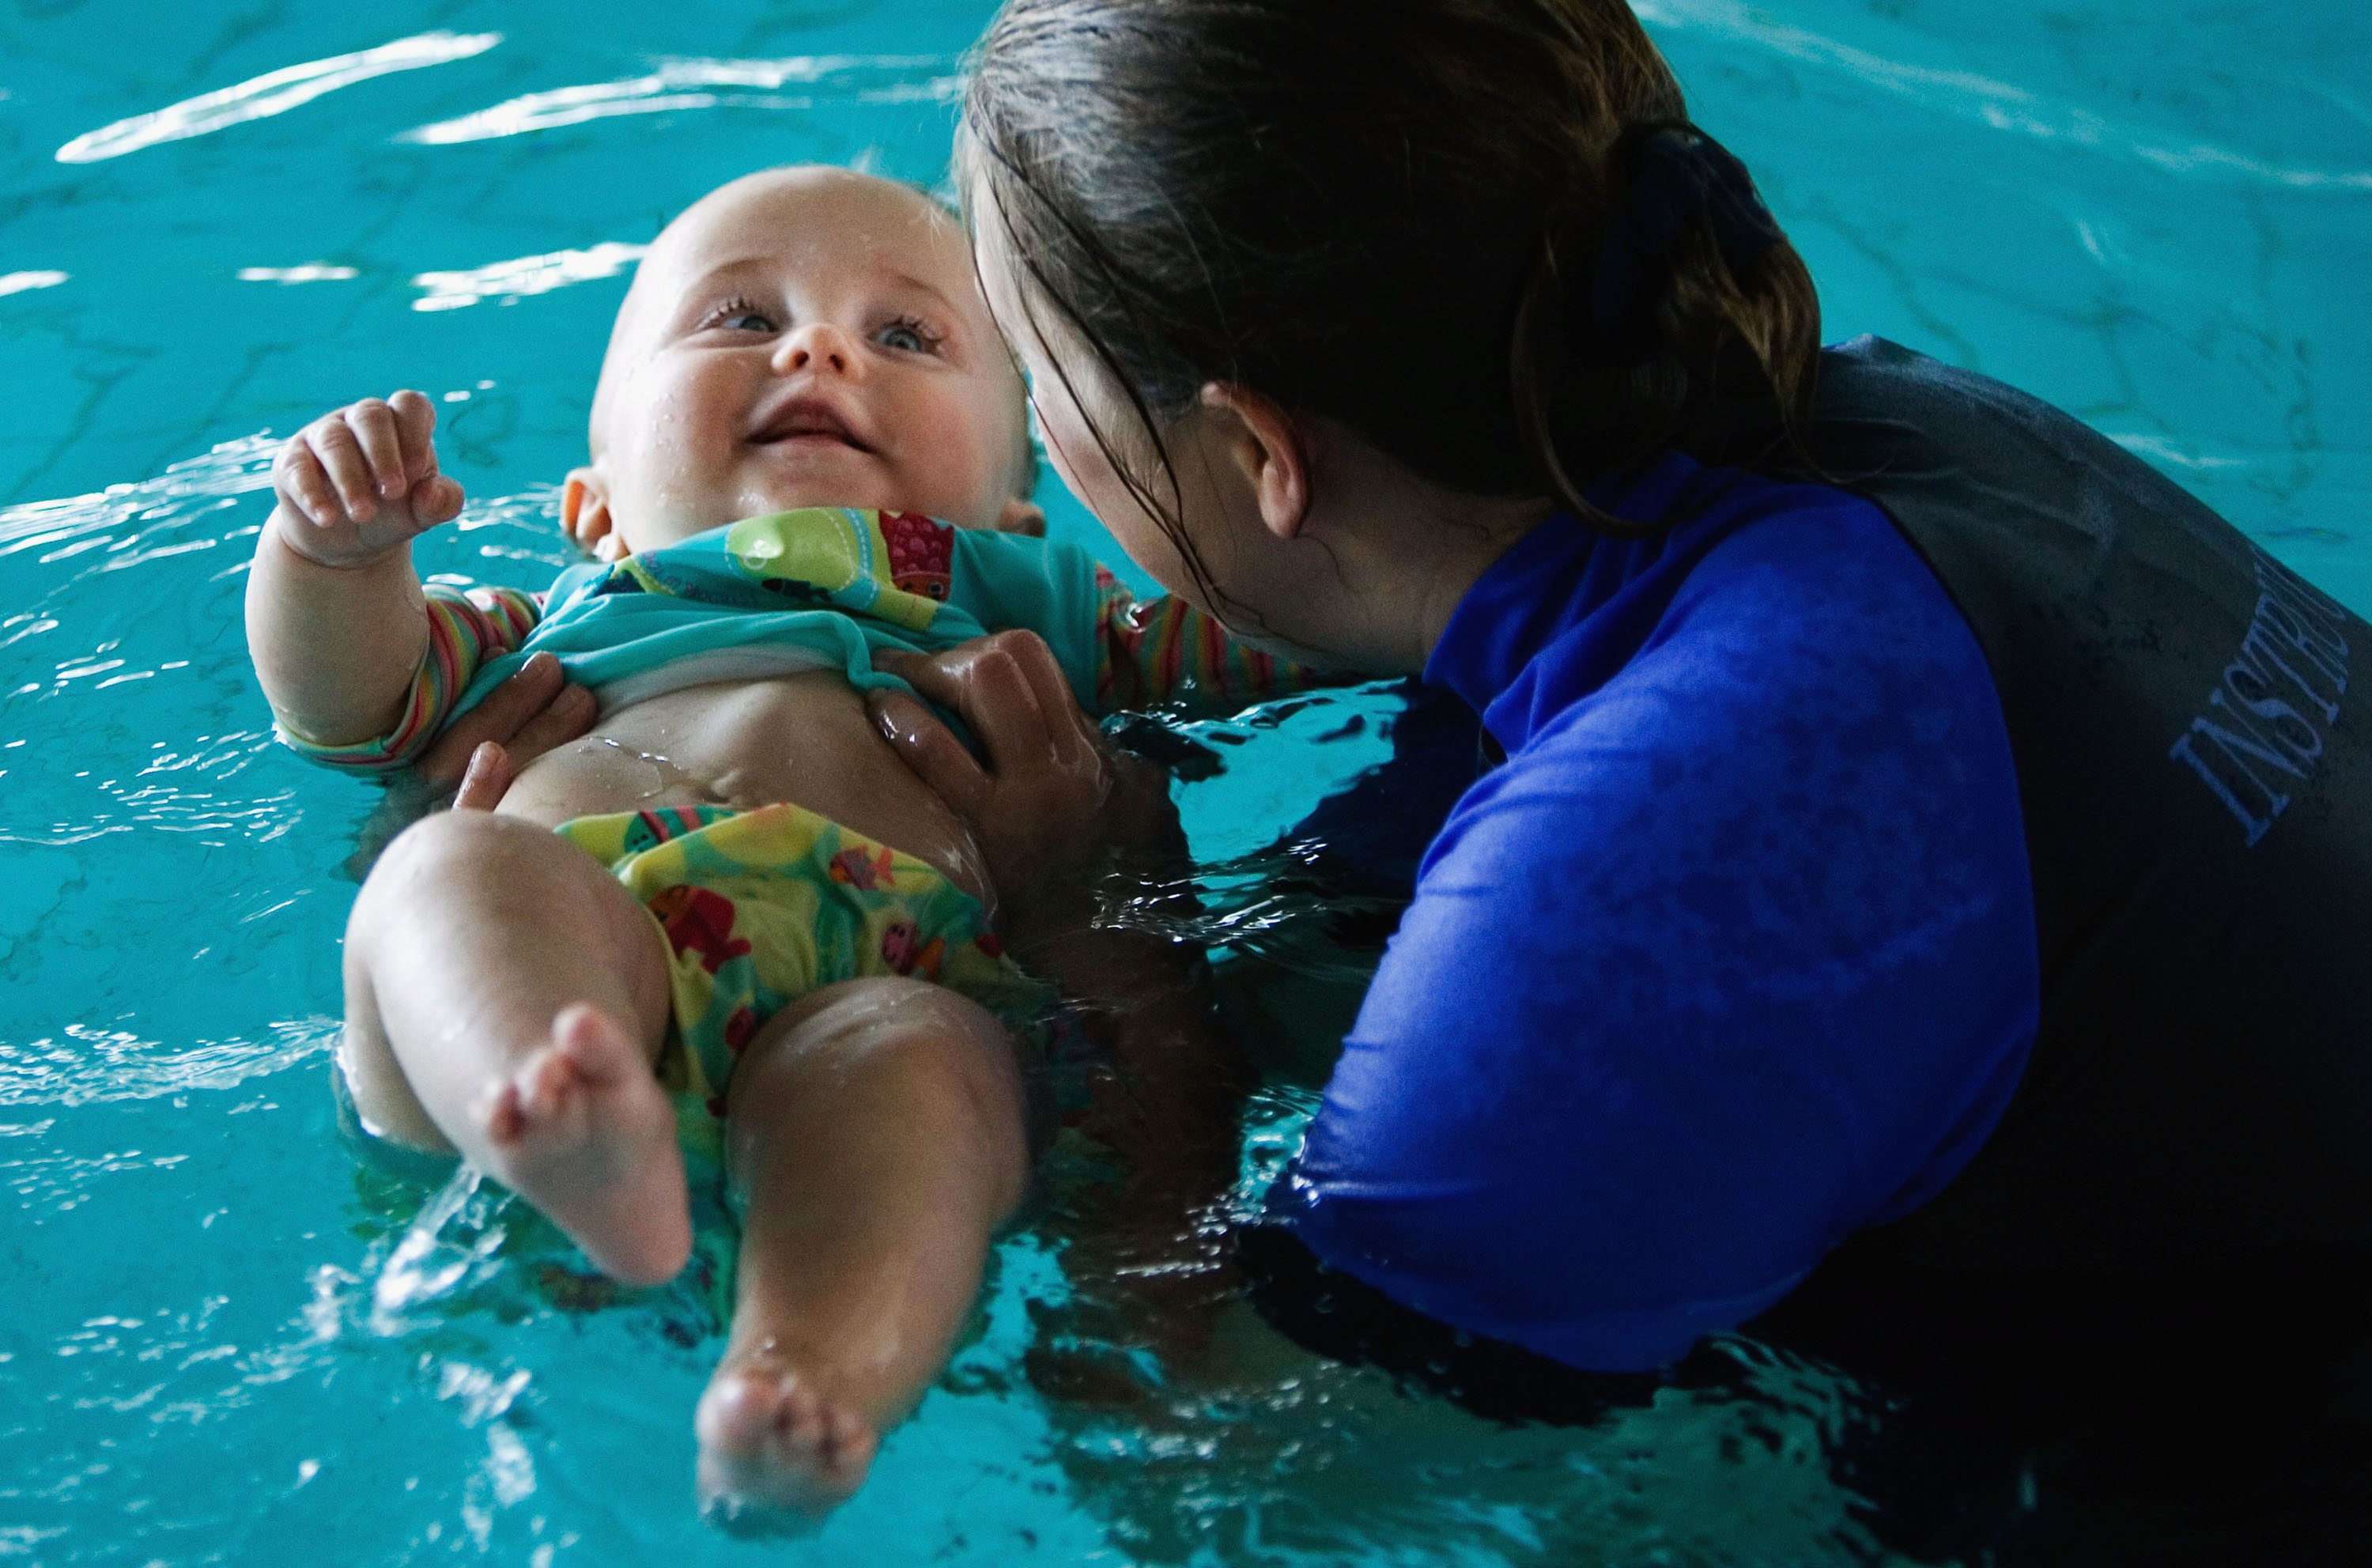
x,y
817,346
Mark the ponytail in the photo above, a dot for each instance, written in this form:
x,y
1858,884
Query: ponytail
x,y
1648,315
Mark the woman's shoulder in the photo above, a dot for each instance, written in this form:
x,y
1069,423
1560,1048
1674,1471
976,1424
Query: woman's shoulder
x,y
1802,755
1771,604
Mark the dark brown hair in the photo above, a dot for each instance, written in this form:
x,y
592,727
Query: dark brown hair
x,y
1391,213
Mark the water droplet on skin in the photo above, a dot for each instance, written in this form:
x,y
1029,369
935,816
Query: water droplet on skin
x,y
664,773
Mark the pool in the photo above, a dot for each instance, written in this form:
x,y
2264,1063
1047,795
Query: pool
x,y
228,1340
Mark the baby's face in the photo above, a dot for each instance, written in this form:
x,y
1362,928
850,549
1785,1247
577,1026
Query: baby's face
x,y
802,338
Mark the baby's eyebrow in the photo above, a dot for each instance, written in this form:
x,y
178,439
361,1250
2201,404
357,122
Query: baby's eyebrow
x,y
924,285
722,274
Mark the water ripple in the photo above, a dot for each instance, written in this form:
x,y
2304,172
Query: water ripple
x,y
687,85
2002,105
274,92
88,1066
62,1183
17,283
524,275
196,485
311,272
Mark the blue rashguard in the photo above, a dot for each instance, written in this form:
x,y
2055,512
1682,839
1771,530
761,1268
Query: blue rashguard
x,y
1735,954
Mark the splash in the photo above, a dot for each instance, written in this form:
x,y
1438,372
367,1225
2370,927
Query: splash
x,y
428,1265
274,92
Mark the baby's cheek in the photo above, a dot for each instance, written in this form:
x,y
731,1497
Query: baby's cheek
x,y
969,450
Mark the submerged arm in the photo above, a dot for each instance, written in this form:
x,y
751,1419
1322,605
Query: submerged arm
x,y
1156,651
1066,826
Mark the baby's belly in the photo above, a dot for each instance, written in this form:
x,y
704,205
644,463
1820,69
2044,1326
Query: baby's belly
x,y
804,739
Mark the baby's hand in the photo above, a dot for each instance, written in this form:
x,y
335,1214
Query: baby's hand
x,y
356,484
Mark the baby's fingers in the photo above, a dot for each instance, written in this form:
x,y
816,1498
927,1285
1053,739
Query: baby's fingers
x,y
416,424
373,423
297,474
435,500
341,459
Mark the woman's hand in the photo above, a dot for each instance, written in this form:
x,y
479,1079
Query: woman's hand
x,y
484,750
1055,813
476,759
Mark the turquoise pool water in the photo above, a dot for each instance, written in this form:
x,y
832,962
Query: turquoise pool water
x,y
226,1340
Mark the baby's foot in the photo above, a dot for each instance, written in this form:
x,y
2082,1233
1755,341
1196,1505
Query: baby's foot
x,y
775,1451
584,1132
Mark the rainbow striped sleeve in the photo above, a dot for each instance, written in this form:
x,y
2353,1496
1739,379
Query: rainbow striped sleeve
x,y
1164,650
466,628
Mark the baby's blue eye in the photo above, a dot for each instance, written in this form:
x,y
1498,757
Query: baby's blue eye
x,y
741,316
906,337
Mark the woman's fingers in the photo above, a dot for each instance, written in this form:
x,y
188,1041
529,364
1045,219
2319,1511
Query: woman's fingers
x,y
1011,692
565,717
967,682
1075,740
937,758
487,779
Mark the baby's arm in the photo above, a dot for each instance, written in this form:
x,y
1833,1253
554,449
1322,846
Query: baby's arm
x,y
361,666
336,621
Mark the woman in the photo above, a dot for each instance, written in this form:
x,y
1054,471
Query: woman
x,y
1911,816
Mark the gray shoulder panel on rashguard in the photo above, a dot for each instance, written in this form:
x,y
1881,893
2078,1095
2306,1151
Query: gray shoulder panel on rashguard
x,y
2193,743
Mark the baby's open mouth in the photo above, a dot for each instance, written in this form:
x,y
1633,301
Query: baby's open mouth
x,y
804,422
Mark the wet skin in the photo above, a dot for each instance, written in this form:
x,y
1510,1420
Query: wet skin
x,y
804,739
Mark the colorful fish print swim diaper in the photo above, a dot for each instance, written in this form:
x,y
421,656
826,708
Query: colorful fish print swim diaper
x,y
760,907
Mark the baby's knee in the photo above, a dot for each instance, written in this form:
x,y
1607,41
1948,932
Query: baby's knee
x,y
882,1012
932,1039
450,839
428,861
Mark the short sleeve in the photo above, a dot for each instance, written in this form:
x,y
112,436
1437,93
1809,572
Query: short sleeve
x,y
1735,956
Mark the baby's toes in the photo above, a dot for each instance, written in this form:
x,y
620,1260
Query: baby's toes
x,y
845,1442
745,1409
506,1114
549,1084
535,1097
796,1423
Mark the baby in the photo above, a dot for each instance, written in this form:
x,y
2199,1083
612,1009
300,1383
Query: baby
x,y
754,933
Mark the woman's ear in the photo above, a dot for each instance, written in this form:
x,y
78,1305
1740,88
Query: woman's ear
x,y
1266,445
585,515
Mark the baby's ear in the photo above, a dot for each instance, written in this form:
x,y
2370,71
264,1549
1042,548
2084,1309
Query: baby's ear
x,y
585,515
1022,517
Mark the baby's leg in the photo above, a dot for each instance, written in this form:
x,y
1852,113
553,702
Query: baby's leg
x,y
505,997
878,1135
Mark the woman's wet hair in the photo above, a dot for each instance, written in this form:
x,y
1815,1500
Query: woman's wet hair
x,y
1483,233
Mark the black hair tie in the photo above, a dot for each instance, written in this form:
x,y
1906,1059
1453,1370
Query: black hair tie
x,y
1679,174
